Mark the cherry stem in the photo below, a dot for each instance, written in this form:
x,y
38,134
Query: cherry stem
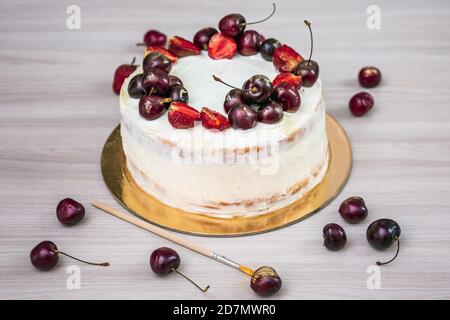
x,y
308,24
166,100
140,44
265,19
396,254
253,89
133,61
201,289
103,264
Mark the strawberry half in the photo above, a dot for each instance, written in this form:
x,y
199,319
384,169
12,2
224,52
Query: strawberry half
x,y
213,120
221,47
182,47
122,72
285,59
182,116
173,58
292,79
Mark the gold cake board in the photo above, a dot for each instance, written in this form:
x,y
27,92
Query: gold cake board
x,y
134,199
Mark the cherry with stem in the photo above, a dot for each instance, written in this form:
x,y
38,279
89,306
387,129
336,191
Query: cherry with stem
x,y
164,261
45,255
308,69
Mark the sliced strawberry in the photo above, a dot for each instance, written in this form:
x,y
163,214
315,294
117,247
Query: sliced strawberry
x,y
182,116
285,59
221,47
173,58
213,120
122,72
182,47
292,79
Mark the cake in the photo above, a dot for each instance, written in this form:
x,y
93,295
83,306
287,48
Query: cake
x,y
231,170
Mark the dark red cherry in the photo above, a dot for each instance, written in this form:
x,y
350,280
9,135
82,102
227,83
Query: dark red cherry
x,y
179,93
381,234
268,47
334,237
156,60
241,116
369,77
249,43
135,87
152,107
257,89
165,260
270,112
308,69
70,212
361,103
265,281
288,96
44,256
202,37
233,97
175,81
353,210
155,38
234,24
155,80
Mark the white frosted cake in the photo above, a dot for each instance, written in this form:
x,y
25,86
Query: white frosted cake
x,y
230,172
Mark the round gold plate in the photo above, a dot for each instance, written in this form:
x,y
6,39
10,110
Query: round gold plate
x,y
134,199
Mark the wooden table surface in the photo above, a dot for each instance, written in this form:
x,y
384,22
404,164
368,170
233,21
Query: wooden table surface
x,y
57,109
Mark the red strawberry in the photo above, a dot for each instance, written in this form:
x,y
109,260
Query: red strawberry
x,y
182,116
213,120
122,72
182,47
221,47
285,59
173,58
292,79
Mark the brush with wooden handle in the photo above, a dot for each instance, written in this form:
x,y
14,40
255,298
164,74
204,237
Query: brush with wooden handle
x,y
172,237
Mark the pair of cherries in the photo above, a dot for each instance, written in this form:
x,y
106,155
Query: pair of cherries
x,y
380,234
45,255
362,102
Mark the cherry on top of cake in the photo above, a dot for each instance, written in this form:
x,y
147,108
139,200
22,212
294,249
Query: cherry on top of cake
x,y
260,99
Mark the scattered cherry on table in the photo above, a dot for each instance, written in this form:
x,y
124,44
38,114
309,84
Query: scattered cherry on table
x,y
361,103
164,261
69,211
381,234
353,210
44,256
334,237
265,281
369,77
